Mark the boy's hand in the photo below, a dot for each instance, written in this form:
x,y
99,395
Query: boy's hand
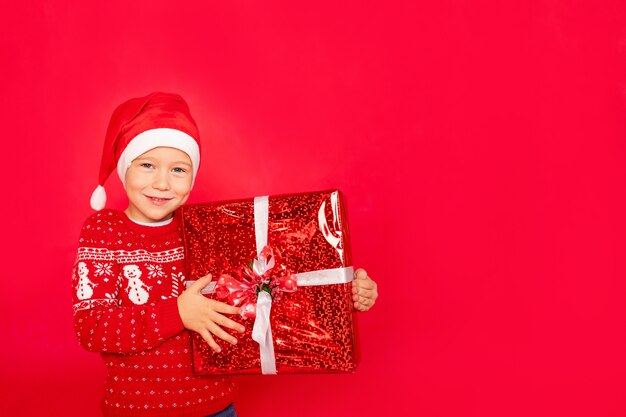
x,y
364,291
205,316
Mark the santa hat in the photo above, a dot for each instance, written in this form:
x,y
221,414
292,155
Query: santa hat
x,y
141,124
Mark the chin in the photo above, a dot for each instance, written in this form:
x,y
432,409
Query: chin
x,y
161,218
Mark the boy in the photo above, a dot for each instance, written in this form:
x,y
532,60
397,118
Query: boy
x,y
129,275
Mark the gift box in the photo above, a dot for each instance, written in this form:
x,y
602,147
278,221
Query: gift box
x,y
285,260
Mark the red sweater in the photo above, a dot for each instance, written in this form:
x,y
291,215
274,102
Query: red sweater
x,y
126,280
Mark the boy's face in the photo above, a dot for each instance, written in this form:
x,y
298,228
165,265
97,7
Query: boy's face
x,y
157,183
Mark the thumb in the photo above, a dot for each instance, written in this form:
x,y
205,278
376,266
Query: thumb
x,y
199,285
360,274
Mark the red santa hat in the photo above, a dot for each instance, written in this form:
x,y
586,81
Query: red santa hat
x,y
141,124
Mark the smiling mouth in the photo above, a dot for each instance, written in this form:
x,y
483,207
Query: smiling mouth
x,y
159,201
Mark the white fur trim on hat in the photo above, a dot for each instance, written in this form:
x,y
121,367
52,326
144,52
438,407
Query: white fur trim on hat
x,y
154,138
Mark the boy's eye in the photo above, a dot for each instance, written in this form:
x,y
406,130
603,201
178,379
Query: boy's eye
x,y
146,165
179,170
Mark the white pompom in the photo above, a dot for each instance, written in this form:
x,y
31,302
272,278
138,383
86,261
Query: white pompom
x,y
98,198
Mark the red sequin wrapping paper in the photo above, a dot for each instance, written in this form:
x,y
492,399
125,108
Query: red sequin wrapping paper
x,y
312,327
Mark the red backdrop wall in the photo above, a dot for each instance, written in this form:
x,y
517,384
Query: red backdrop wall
x,y
480,145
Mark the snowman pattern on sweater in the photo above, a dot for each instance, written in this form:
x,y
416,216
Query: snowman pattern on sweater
x,y
84,290
136,289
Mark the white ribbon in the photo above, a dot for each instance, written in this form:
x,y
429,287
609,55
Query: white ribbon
x,y
262,333
262,326
325,277
261,220
304,279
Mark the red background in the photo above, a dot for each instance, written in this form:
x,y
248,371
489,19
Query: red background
x,y
480,145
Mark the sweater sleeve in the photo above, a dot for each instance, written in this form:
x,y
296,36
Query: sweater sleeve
x,y
127,329
101,322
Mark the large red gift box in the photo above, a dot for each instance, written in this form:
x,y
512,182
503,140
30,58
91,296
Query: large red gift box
x,y
272,243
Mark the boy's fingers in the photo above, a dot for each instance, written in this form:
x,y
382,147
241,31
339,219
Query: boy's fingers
x,y
356,297
363,304
225,308
206,335
364,292
201,283
221,333
228,323
366,284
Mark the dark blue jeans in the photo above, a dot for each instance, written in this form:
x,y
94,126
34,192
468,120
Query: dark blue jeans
x,y
227,412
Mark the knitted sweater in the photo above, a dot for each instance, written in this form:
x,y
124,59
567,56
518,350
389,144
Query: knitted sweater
x,y
126,280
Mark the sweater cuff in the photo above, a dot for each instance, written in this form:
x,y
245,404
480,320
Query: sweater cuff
x,y
170,323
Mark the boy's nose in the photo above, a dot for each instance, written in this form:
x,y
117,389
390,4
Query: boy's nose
x,y
161,181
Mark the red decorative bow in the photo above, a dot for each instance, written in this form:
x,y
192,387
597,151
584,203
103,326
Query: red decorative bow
x,y
260,275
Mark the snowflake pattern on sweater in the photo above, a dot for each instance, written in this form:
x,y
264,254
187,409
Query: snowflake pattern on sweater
x,y
126,281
